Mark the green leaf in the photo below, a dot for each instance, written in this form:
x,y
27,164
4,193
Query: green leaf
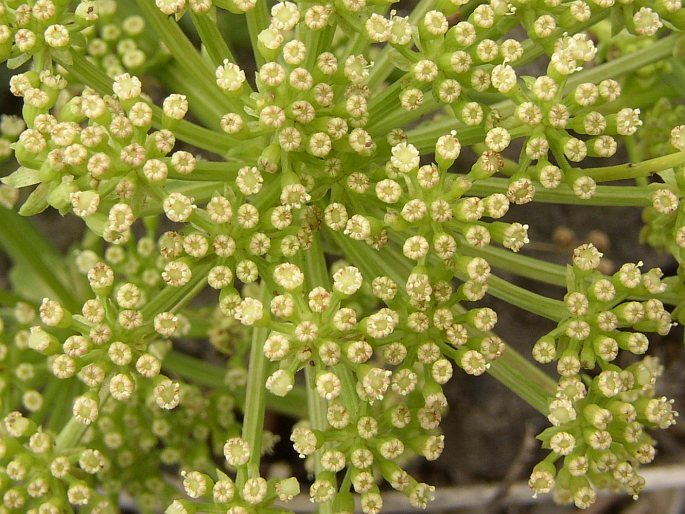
x,y
221,475
669,178
547,433
96,223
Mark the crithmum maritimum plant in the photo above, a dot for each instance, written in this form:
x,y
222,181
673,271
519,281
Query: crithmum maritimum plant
x,y
345,196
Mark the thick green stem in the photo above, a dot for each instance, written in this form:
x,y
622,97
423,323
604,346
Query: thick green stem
x,y
634,170
212,40
525,379
527,300
257,20
316,274
211,171
255,398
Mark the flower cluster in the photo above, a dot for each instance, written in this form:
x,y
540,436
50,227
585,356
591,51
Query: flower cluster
x,y
599,419
327,214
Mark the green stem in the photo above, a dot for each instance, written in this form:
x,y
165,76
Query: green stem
x,y
400,118
73,431
634,170
211,171
257,20
316,274
10,298
174,78
316,270
27,247
523,378
521,265
255,398
528,300
68,389
615,196
197,370
174,298
424,136
212,40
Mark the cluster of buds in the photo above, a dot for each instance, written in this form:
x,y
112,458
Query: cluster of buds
x,y
36,469
247,493
128,421
30,30
322,199
40,472
119,43
600,418
664,219
658,125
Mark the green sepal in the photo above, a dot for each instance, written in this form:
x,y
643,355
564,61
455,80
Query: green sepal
x,y
221,475
22,177
37,201
16,62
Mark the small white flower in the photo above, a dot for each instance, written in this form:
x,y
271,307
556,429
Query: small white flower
x,y
347,280
229,76
126,87
288,276
169,7
236,451
405,157
249,311
57,36
279,382
175,106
